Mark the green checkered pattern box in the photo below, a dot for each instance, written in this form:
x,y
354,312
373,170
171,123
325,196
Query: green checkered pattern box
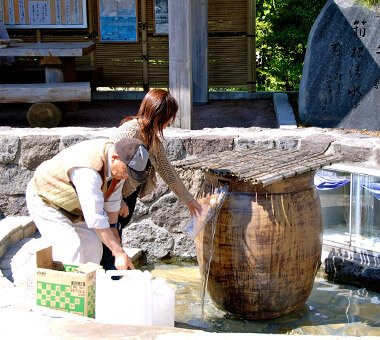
x,y
66,287
59,296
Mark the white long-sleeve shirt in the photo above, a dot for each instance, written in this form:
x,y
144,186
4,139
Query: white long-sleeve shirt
x,y
88,184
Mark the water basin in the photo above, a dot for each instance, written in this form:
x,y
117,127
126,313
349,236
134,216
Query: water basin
x,y
331,309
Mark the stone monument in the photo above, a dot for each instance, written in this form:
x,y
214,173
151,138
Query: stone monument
x,y
340,85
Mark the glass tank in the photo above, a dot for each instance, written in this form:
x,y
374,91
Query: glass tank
x,y
350,208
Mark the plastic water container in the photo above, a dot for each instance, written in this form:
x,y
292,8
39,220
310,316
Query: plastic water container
x,y
163,301
136,299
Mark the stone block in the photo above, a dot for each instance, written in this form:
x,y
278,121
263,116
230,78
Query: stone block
x,y
316,143
3,246
140,210
29,229
184,247
207,145
16,235
245,143
175,149
14,179
33,154
376,154
352,152
192,179
155,242
67,141
169,213
351,272
8,148
340,85
290,143
160,190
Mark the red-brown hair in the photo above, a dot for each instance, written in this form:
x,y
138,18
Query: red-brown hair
x,y
157,109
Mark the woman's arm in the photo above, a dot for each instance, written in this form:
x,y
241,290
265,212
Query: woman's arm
x,y
170,176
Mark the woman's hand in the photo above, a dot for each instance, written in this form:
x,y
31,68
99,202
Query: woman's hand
x,y
194,208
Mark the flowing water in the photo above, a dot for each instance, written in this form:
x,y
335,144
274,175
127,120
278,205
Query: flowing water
x,y
331,309
221,192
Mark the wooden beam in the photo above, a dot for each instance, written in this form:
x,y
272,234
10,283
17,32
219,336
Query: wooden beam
x,y
251,45
45,92
200,51
180,66
144,46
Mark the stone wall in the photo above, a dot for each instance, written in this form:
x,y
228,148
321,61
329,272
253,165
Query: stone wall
x,y
158,219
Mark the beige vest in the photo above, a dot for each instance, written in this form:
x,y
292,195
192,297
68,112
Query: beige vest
x,y
51,179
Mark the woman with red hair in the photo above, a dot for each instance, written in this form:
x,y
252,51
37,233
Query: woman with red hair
x,y
157,111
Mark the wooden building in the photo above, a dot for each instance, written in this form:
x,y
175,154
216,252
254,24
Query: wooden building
x,y
211,41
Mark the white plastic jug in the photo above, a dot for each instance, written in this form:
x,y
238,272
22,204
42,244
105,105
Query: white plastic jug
x,y
163,301
135,299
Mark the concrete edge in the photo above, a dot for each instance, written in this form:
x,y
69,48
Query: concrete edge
x,y
284,112
12,230
223,95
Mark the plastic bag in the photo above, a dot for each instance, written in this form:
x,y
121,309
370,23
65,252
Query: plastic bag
x,y
210,198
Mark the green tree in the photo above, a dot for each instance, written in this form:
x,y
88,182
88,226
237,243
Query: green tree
x,y
369,3
282,28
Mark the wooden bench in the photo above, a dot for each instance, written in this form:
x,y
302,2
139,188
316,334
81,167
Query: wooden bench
x,y
45,92
19,73
43,113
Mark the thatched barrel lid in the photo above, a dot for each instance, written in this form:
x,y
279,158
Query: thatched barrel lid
x,y
259,165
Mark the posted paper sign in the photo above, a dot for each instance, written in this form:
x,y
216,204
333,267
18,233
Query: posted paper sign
x,y
43,13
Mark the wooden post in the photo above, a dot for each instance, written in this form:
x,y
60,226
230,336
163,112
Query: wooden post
x,y
251,45
200,51
53,70
180,66
144,46
38,35
90,20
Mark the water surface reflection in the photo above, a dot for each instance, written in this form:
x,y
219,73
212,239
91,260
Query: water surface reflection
x,y
331,309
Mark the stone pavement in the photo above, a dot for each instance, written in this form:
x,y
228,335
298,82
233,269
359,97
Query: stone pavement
x,y
19,241
20,317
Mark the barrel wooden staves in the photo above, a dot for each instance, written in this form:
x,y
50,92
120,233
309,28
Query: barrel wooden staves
x,y
266,248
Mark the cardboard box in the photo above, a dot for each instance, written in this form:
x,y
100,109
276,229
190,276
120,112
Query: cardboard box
x,y
66,287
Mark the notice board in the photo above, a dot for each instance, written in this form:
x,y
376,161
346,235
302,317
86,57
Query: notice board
x,y
118,21
161,16
43,13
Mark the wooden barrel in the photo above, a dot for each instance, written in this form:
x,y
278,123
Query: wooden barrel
x,y
266,248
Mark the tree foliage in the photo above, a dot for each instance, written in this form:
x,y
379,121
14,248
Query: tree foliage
x,y
282,29
370,3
